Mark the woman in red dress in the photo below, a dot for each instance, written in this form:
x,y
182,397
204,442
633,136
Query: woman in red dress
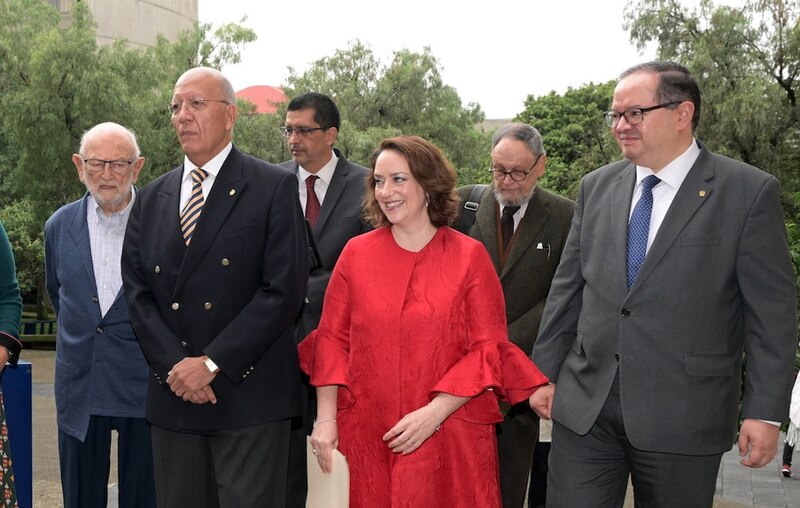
x,y
412,352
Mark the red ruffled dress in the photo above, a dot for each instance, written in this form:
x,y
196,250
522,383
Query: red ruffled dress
x,y
397,328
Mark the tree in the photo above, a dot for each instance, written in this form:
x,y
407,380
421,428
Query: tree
x,y
747,63
55,83
407,96
576,138
26,236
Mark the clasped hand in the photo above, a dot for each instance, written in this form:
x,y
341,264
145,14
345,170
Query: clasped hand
x,y
190,380
412,430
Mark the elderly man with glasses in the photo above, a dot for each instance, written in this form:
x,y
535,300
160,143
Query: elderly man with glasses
x,y
524,228
101,373
675,270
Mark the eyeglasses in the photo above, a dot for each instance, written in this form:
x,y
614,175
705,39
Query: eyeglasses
x,y
300,131
193,105
515,174
96,166
633,116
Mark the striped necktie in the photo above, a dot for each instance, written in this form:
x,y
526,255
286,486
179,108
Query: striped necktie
x,y
191,212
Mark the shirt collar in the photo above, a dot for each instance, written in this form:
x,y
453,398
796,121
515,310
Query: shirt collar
x,y
325,173
212,167
675,172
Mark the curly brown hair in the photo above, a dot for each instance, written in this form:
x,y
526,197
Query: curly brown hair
x,y
430,168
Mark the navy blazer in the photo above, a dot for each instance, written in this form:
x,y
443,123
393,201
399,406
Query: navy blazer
x,y
232,294
339,220
100,368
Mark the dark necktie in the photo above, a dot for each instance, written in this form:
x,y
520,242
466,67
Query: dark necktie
x,y
507,224
191,211
312,202
639,228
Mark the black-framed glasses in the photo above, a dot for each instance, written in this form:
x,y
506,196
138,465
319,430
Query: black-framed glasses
x,y
96,166
300,131
633,116
193,105
516,174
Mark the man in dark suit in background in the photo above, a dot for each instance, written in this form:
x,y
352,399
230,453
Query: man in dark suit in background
x,y
331,191
524,228
215,267
675,268
101,373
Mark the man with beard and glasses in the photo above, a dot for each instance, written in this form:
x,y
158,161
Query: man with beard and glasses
x,y
524,228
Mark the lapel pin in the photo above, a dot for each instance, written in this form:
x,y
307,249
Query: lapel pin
x,y
232,192
702,193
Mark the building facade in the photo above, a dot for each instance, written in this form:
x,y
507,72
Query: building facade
x,y
138,21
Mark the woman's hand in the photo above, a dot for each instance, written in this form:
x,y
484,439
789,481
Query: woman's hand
x,y
4,356
325,439
412,430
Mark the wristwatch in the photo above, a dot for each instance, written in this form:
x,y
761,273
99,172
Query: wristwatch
x,y
210,365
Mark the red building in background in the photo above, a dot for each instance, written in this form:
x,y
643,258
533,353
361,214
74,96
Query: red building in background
x,y
265,98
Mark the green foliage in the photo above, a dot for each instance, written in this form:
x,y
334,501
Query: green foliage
x,y
407,96
56,82
575,136
26,236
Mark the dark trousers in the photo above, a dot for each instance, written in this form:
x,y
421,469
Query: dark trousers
x,y
537,493
234,468
85,465
516,436
592,470
297,479
788,450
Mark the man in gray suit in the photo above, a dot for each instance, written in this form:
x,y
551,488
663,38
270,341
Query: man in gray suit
x,y
331,194
675,268
536,224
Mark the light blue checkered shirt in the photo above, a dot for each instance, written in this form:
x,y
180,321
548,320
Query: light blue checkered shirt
x,y
105,237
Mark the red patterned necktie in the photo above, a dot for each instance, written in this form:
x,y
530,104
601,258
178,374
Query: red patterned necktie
x,y
191,212
312,202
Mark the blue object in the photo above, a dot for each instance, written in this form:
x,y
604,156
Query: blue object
x,y
17,394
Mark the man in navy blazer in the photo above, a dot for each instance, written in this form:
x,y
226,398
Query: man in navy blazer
x,y
676,268
311,128
101,373
213,301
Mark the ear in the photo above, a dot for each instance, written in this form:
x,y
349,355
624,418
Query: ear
x,y
137,167
540,166
231,113
331,135
685,113
77,160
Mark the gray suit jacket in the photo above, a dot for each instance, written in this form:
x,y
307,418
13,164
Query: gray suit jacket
x,y
339,221
717,282
532,261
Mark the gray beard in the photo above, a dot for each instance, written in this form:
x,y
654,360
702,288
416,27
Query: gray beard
x,y
504,202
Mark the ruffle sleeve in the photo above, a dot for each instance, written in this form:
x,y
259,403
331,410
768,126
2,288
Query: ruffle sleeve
x,y
493,370
325,361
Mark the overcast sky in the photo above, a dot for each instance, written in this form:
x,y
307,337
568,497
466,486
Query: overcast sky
x,y
494,53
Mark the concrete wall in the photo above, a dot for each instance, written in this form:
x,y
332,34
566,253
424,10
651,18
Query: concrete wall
x,y
138,21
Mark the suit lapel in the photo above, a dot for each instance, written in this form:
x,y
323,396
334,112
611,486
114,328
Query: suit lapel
x,y
532,222
332,195
79,231
226,190
486,220
169,198
694,191
620,203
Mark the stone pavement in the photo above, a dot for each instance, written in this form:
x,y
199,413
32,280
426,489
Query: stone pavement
x,y
737,486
